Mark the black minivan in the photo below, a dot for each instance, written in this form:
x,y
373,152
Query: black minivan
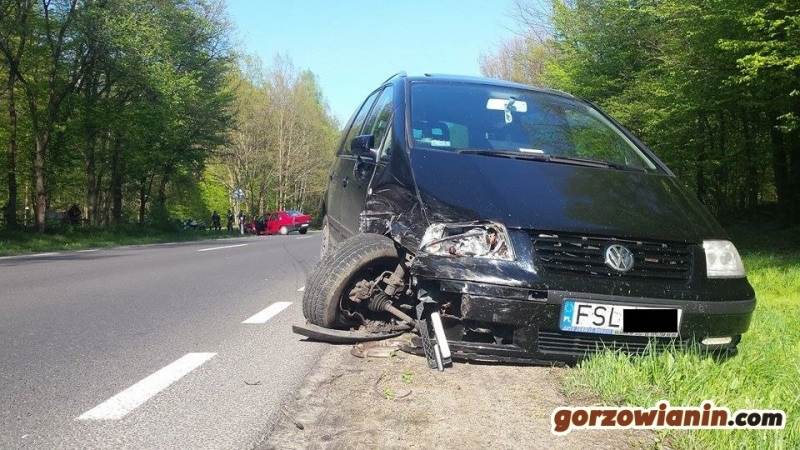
x,y
529,224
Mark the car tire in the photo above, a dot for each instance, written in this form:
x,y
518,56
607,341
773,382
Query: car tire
x,y
364,256
303,230
283,230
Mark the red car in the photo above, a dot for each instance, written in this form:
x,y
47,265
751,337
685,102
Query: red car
x,y
281,222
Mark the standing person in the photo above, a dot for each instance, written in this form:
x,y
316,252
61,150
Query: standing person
x,y
215,221
230,221
74,215
241,222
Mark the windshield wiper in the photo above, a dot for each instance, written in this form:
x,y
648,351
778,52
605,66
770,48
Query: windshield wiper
x,y
596,163
621,166
512,154
532,156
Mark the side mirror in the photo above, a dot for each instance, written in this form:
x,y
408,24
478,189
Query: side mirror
x,y
362,146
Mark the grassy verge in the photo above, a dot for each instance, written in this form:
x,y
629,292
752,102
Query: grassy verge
x,y
765,374
86,237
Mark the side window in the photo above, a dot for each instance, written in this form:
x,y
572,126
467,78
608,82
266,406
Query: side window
x,y
358,123
386,148
378,120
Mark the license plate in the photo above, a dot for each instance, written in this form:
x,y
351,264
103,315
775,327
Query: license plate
x,y
598,318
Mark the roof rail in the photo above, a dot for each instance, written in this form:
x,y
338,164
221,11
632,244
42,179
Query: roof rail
x,y
398,74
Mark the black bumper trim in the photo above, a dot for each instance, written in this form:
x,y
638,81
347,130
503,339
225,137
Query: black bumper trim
x,y
688,307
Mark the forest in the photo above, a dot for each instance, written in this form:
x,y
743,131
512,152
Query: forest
x,y
144,112
711,86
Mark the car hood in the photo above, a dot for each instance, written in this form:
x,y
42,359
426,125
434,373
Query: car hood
x,y
557,197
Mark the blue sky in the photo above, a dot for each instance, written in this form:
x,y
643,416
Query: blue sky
x,y
353,45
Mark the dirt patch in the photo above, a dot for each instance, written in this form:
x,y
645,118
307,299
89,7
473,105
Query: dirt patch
x,y
397,402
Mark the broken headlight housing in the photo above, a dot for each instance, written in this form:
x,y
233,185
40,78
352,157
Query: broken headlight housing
x,y
476,239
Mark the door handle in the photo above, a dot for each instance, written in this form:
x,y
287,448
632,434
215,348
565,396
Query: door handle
x,y
344,182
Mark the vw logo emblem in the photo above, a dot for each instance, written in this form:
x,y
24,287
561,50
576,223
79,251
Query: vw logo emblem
x,y
619,258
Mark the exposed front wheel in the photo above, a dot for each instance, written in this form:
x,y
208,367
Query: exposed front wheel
x,y
360,258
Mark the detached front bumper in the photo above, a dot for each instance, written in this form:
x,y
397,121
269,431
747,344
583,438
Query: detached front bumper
x,y
514,316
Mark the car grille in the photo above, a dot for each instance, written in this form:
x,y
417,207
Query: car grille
x,y
581,344
575,254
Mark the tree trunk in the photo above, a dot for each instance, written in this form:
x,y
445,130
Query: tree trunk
x,y
40,205
102,195
794,167
159,209
749,202
91,192
11,205
90,129
279,203
144,192
116,182
700,177
781,172
722,186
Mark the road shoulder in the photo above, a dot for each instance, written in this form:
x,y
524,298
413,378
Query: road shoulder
x,y
397,402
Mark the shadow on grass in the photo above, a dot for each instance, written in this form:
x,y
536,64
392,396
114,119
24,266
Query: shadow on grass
x,y
767,245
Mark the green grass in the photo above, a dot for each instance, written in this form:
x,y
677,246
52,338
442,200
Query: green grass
x,y
764,375
62,238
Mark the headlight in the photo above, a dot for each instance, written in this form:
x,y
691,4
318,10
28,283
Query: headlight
x,y
722,260
476,239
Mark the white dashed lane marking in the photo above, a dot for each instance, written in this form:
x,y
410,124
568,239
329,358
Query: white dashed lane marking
x,y
126,401
301,289
268,312
220,248
32,255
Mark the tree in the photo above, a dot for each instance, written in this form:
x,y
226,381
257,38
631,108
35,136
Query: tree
x,y
118,105
14,15
283,142
768,59
710,85
53,71
521,59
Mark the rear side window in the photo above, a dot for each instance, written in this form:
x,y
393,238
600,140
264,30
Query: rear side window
x,y
358,123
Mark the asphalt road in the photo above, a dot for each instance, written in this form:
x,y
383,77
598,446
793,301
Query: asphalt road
x,y
166,346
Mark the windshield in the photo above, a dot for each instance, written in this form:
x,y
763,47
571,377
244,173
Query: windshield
x,y
483,117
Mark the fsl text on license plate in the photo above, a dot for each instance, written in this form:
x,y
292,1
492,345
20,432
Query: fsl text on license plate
x,y
587,317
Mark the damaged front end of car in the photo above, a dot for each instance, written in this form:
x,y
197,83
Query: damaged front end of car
x,y
474,291
468,277
455,291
